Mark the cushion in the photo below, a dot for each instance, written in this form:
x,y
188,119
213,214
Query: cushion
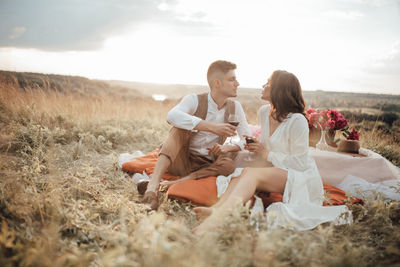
x,y
146,163
201,192
204,191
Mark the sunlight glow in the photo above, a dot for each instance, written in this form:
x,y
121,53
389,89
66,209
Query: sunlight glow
x,y
308,39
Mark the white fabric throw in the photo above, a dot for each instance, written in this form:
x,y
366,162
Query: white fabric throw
x,y
126,157
365,190
223,181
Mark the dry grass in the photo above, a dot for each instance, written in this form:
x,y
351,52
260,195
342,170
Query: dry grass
x,y
386,144
65,202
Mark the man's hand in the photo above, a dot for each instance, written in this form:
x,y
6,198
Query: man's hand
x,y
224,129
220,129
218,149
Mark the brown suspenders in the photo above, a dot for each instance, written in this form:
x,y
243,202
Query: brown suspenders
x,y
202,109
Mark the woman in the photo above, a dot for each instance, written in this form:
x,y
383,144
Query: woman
x,y
284,143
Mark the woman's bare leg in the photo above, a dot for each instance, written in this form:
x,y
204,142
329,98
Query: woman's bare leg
x,y
228,192
265,179
203,212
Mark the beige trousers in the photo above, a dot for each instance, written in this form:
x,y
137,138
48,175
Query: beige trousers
x,y
176,148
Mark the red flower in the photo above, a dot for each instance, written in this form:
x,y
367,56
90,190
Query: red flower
x,y
334,114
314,119
325,114
326,119
354,135
310,110
331,124
341,123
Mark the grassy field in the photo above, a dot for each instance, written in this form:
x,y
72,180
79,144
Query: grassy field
x,y
65,202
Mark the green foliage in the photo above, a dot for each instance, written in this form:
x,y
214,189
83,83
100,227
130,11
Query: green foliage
x,y
388,107
389,118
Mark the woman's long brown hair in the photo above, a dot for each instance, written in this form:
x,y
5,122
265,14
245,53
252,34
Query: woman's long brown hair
x,y
286,95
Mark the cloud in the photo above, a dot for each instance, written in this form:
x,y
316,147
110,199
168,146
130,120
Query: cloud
x,y
388,64
346,15
379,3
398,6
79,24
17,32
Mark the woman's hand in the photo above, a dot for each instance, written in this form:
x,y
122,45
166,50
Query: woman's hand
x,y
256,147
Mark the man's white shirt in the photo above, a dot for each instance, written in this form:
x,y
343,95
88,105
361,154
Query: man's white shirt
x,y
181,116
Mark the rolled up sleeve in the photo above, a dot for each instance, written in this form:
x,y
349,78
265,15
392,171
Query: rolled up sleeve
x,y
181,116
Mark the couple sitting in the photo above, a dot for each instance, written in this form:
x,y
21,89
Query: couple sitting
x,y
195,149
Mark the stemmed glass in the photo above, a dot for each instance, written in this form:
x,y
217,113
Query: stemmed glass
x,y
249,140
233,120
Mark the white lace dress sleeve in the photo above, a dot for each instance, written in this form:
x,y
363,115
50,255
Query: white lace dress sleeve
x,y
297,138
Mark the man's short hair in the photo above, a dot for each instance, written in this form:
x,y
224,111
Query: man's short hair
x,y
217,68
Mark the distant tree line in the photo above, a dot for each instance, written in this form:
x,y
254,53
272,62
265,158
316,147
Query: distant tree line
x,y
387,117
388,107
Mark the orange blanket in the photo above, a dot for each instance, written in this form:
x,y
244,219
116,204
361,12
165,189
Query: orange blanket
x,y
204,191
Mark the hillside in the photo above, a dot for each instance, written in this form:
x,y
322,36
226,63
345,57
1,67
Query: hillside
x,y
63,84
355,102
320,99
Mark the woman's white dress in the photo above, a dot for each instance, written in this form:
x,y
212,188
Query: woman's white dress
x,y
302,205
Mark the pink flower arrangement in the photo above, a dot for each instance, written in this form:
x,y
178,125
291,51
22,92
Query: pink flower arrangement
x,y
327,119
255,130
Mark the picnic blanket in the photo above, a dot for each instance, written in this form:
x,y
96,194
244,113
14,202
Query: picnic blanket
x,y
204,191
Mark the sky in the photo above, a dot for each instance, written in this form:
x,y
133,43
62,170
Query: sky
x,y
331,45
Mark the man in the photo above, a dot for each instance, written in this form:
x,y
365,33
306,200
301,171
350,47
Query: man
x,y
195,145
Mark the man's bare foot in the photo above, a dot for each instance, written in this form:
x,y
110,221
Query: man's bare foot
x,y
202,212
151,200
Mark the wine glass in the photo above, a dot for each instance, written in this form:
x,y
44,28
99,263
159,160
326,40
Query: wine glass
x,y
249,140
233,120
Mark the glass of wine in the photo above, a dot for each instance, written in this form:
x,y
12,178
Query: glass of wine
x,y
249,140
233,120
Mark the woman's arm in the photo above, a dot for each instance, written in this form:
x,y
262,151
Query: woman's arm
x,y
298,146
